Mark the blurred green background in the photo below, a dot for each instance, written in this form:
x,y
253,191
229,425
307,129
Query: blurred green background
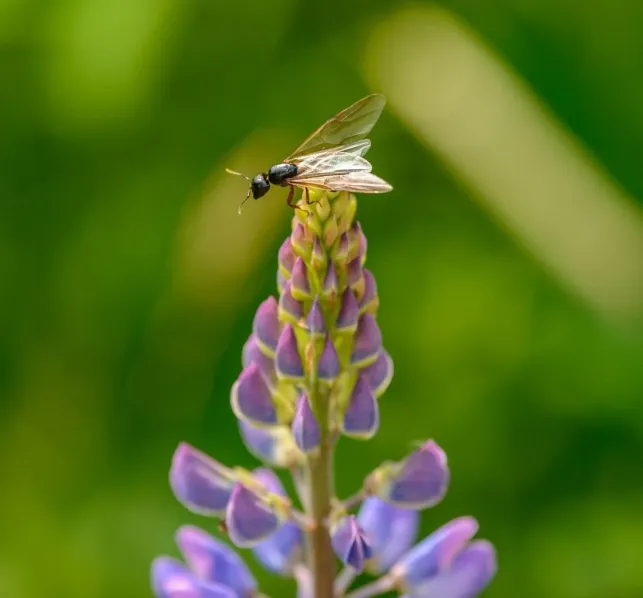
x,y
509,259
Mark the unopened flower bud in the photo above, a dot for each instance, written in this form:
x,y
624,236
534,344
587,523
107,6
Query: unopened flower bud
x,y
341,250
251,398
300,286
305,427
286,257
318,256
266,325
290,310
361,418
348,316
315,323
331,231
379,374
368,342
328,367
369,299
300,240
329,288
287,359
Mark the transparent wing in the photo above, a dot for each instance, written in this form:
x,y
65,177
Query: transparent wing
x,y
329,164
358,148
358,182
352,124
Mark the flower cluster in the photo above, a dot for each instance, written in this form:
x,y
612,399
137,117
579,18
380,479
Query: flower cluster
x,y
314,368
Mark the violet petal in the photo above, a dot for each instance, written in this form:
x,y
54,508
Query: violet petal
x,y
251,398
199,482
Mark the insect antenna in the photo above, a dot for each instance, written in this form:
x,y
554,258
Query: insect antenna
x,y
237,174
245,199
249,188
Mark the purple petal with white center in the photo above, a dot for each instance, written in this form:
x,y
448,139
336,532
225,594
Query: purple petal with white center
x,y
286,256
390,529
251,398
422,479
300,284
436,553
368,341
253,354
469,574
282,550
170,579
354,273
213,561
315,323
328,367
362,416
266,325
350,543
369,299
380,373
305,428
287,358
341,253
200,483
348,312
329,288
248,519
289,307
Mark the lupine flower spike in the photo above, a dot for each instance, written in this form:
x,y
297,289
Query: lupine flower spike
x,y
314,369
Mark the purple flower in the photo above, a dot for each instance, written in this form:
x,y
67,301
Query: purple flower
x,y
282,550
390,529
249,519
351,543
200,483
418,482
447,564
314,367
213,570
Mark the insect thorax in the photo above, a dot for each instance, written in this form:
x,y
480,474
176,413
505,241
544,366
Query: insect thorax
x,y
280,172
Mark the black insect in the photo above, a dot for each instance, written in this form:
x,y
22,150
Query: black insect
x,y
332,158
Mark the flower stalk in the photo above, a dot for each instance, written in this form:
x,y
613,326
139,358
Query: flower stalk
x,y
314,369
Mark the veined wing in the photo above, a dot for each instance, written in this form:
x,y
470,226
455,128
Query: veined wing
x,y
358,148
351,124
357,182
329,164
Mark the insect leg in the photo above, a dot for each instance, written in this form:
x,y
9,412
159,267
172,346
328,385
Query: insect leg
x,y
307,196
291,194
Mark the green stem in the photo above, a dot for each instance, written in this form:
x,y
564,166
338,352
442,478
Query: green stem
x,y
321,558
